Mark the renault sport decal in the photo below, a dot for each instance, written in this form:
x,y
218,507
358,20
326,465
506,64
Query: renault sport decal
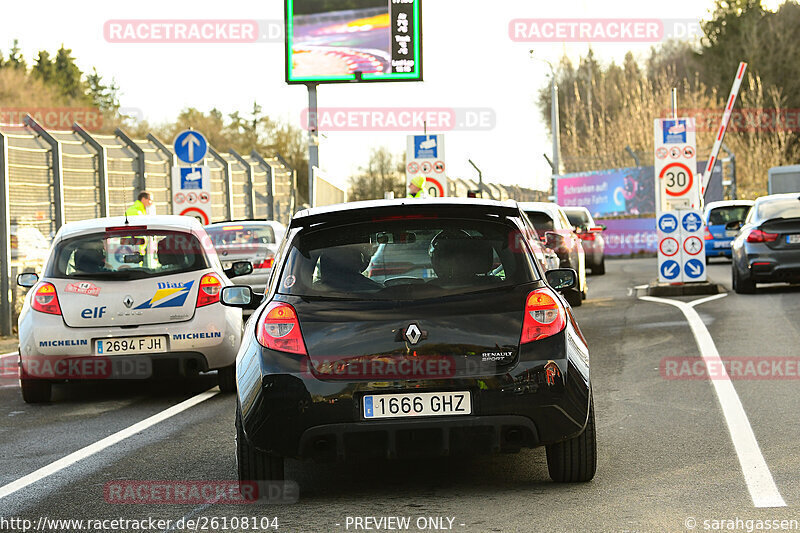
x,y
168,295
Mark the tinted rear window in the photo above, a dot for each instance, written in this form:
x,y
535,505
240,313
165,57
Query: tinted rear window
x,y
541,221
118,256
405,259
723,215
577,218
240,234
788,208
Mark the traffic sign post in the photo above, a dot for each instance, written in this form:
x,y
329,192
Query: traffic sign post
x,y
425,157
681,248
191,192
675,164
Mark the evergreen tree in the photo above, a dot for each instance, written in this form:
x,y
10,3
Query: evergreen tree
x,y
44,68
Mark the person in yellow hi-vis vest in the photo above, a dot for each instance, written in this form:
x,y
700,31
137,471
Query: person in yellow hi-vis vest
x,y
416,188
139,207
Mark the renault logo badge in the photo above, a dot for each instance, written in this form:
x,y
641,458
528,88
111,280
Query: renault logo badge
x,y
128,301
413,334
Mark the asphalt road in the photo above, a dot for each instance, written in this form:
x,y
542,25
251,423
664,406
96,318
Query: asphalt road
x,y
666,456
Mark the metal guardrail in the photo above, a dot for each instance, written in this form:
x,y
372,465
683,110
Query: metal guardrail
x,y
49,178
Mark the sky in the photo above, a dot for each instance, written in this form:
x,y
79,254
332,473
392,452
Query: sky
x,y
469,62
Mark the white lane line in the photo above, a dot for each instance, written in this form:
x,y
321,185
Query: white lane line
x,y
8,354
757,476
699,301
102,444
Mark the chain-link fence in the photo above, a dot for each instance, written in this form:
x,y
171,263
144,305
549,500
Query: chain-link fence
x,y
49,178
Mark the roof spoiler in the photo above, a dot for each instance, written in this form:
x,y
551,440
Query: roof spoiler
x,y
414,211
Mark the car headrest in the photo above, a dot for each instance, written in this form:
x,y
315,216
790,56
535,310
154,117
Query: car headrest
x,y
459,258
343,260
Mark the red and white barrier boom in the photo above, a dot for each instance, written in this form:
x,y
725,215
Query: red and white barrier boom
x,y
726,117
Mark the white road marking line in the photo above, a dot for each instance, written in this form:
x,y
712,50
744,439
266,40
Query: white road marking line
x,y
757,476
9,354
699,301
102,444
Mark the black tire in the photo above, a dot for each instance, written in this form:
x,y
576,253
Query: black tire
x,y
36,390
742,284
575,460
226,378
573,297
600,268
252,464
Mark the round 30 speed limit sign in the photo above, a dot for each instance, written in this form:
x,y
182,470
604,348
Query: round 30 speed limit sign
x,y
677,179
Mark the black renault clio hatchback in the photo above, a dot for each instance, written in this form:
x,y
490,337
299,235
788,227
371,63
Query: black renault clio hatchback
x,y
411,328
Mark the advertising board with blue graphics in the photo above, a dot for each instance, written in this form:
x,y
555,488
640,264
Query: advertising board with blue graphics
x,y
191,147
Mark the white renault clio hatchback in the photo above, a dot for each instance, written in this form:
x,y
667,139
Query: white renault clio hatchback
x,y
127,298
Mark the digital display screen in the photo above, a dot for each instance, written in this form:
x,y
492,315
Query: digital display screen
x,y
332,41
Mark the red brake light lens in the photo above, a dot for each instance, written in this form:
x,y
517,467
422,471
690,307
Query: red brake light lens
x,y
544,316
708,236
278,329
266,263
587,236
210,287
45,299
757,235
134,229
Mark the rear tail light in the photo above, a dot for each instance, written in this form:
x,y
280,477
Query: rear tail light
x,y
45,299
544,316
757,235
596,229
589,236
210,287
266,263
708,236
278,329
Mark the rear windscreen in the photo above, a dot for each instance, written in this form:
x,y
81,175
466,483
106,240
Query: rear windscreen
x,y
577,218
722,215
240,234
405,259
788,208
542,222
119,256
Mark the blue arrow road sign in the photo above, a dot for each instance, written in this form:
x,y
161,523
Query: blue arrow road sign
x,y
670,269
694,268
692,222
667,223
190,146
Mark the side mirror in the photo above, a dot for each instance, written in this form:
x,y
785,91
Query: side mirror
x,y
27,279
734,225
240,296
552,237
239,268
561,278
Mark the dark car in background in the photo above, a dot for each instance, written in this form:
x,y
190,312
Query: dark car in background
x,y
553,227
480,356
767,247
255,241
591,235
718,215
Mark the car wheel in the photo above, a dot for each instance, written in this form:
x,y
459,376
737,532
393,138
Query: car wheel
x,y
36,390
253,464
226,378
574,297
600,268
575,460
742,284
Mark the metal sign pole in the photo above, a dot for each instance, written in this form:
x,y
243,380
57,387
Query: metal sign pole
x,y
313,139
6,287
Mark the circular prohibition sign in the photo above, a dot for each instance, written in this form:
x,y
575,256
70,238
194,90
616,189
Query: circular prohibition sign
x,y
197,213
679,177
668,245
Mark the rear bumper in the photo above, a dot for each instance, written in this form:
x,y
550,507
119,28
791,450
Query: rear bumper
x,y
294,414
767,265
212,336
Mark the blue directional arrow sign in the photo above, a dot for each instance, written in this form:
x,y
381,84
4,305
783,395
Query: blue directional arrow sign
x,y
190,147
692,222
694,268
667,223
670,269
